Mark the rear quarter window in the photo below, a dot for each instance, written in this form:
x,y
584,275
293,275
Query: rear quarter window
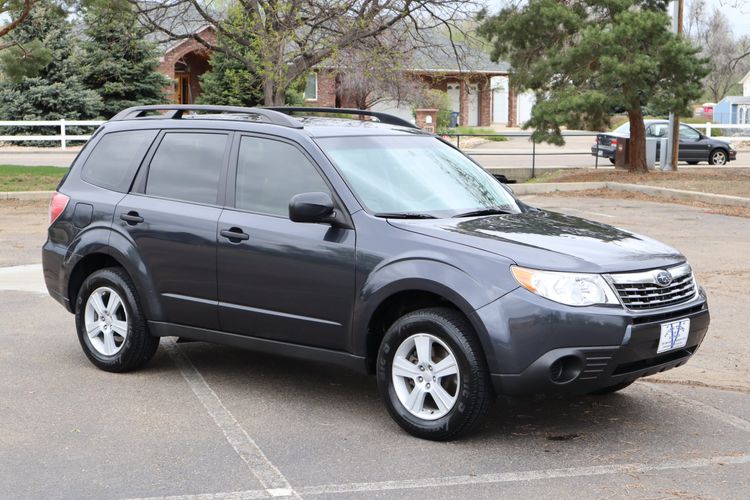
x,y
116,157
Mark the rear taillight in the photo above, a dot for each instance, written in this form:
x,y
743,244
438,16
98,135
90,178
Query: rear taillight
x,y
614,142
57,206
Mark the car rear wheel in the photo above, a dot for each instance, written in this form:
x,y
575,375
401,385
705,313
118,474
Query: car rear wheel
x,y
718,157
612,161
432,374
111,325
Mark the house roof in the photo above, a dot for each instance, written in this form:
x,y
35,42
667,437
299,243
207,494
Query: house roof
x,y
446,55
736,99
180,18
745,78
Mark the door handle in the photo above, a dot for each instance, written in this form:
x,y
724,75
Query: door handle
x,y
132,218
234,233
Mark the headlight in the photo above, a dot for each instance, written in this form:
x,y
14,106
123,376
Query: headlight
x,y
731,147
573,289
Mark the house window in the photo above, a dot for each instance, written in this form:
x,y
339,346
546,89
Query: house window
x,y
311,87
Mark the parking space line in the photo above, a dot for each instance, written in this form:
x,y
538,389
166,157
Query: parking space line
x,y
235,495
600,214
510,477
497,478
269,476
704,408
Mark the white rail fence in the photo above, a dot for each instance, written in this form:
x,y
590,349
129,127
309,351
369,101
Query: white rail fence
x,y
62,125
63,138
708,128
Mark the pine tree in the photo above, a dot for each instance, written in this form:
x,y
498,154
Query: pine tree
x,y
116,60
41,81
587,59
229,82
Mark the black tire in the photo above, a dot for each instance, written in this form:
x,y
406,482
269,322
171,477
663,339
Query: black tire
x,y
138,346
692,162
611,389
474,396
715,155
612,161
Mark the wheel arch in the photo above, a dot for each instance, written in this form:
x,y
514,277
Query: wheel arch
x,y
88,258
401,299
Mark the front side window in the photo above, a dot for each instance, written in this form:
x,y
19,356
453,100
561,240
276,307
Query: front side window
x,y
415,175
187,166
270,173
116,157
688,133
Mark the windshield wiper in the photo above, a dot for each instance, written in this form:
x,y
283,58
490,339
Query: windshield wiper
x,y
485,211
405,215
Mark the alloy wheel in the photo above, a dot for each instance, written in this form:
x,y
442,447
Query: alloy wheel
x,y
425,376
718,158
106,321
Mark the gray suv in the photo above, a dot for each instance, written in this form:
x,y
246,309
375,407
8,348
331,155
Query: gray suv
x,y
365,243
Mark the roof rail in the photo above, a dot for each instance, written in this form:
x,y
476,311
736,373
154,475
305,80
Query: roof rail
x,y
382,117
177,110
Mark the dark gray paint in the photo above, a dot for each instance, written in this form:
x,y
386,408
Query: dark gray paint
x,y
310,290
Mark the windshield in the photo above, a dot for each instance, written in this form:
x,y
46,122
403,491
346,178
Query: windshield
x,y
623,129
415,175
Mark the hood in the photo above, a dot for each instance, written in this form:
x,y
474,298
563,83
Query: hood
x,y
552,241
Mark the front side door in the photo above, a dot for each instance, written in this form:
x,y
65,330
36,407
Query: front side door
x,y
278,279
692,145
172,217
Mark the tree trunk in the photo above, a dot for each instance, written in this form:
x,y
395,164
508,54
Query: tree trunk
x,y
268,92
279,97
637,149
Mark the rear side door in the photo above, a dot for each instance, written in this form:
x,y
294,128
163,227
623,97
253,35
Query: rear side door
x,y
171,216
278,279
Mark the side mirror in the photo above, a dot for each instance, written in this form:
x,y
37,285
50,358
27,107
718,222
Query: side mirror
x,y
312,207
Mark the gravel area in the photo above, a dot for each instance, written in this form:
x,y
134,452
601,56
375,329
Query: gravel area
x,y
726,180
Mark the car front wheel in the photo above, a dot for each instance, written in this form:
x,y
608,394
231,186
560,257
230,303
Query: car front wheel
x,y
432,374
111,325
718,157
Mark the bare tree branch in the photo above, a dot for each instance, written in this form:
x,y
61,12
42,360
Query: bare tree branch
x,y
289,37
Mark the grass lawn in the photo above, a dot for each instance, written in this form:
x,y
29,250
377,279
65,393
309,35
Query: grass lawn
x,y
477,130
19,178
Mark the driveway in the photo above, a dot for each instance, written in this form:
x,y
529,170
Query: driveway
x,y
225,423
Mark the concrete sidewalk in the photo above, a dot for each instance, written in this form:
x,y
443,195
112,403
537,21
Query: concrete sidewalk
x,y
38,157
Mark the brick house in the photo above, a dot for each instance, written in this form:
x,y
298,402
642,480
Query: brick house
x,y
478,87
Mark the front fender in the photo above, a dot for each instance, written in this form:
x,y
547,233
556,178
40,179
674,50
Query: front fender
x,y
421,274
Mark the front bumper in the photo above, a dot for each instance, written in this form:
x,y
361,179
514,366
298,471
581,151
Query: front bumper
x,y
732,155
538,346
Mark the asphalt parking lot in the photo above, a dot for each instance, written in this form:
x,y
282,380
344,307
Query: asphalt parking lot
x,y
224,423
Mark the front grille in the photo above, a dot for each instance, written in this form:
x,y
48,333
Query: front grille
x,y
640,291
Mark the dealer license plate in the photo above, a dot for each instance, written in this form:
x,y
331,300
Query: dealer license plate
x,y
673,335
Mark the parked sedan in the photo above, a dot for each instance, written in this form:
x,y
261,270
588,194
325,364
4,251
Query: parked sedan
x,y
695,147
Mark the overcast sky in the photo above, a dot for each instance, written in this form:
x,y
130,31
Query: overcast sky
x,y
737,11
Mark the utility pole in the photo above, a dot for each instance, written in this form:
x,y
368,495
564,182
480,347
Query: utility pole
x,y
674,120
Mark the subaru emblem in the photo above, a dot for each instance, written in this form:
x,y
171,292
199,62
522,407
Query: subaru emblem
x,y
663,278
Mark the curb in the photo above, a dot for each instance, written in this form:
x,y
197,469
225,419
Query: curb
x,y
26,195
666,193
